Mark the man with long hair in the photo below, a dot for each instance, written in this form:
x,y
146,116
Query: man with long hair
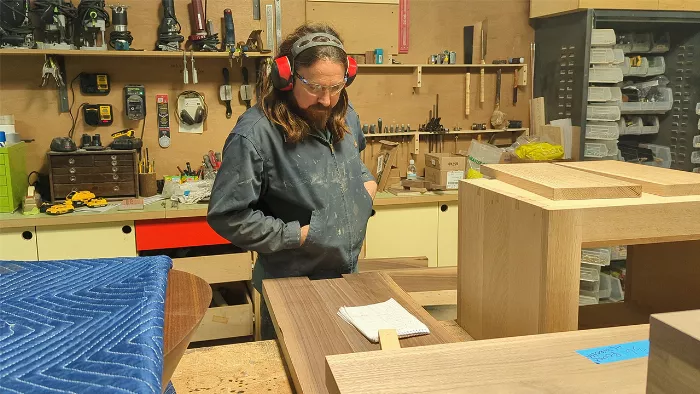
x,y
292,186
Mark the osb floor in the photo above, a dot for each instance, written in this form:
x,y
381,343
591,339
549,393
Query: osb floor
x,y
250,368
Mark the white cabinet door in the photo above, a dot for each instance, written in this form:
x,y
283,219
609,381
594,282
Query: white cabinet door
x,y
403,231
447,237
18,244
86,241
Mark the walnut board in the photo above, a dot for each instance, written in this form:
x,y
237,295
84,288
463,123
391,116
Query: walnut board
x,y
654,180
308,328
558,183
674,353
530,364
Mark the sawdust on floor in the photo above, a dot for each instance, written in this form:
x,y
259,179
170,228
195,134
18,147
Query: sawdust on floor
x,y
250,368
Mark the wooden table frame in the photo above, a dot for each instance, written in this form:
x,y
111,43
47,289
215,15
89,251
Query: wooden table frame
x,y
520,253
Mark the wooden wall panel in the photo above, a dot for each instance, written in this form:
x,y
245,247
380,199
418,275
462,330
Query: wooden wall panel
x,y
363,27
540,8
679,5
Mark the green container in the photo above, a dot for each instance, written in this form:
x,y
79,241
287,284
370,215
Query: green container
x,y
13,177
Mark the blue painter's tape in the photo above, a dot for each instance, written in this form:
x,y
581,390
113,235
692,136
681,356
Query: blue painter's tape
x,y
615,353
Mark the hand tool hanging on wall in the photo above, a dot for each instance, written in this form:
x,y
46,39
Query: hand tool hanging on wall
x,y
278,24
163,120
185,73
195,76
246,88
484,43
498,118
229,44
256,10
120,38
54,68
226,93
467,94
169,37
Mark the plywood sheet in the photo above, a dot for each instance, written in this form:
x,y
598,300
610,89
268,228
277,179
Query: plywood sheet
x,y
559,183
363,27
305,316
532,364
654,180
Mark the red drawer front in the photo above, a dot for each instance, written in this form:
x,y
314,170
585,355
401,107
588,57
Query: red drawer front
x,y
175,233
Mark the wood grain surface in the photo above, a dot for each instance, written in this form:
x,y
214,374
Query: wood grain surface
x,y
305,316
368,265
660,181
559,183
674,354
187,298
532,364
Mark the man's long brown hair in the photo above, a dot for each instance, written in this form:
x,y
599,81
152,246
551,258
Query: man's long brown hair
x,y
279,106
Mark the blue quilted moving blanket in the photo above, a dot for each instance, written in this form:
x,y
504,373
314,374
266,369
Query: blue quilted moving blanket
x,y
82,326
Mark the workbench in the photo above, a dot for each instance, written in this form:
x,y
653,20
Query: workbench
x,y
520,252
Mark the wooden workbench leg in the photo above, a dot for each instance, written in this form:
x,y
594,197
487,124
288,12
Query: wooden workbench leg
x,y
663,277
519,266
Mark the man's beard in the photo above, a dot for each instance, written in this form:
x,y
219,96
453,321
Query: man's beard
x,y
316,115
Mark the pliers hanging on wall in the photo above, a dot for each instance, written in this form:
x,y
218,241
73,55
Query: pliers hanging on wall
x,y
51,70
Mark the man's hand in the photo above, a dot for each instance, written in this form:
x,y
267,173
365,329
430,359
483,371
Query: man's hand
x,y
371,187
304,234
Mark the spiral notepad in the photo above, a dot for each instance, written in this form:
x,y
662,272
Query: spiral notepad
x,y
369,319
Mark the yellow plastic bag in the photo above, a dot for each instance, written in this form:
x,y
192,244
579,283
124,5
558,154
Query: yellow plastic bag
x,y
540,151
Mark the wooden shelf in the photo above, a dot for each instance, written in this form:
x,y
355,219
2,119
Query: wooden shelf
x,y
463,66
414,133
157,54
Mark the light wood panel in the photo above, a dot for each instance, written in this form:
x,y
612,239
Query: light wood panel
x,y
308,328
420,223
86,241
14,246
654,180
380,24
514,276
369,265
679,5
227,317
448,234
664,277
558,183
542,363
217,268
425,279
356,1
674,353
621,4
539,8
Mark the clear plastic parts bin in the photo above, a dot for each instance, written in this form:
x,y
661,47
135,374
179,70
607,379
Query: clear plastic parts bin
x,y
618,253
603,113
696,141
600,150
590,273
662,155
657,66
643,42
608,131
603,94
603,38
635,71
605,74
586,300
659,107
650,124
695,157
607,56
631,125
597,256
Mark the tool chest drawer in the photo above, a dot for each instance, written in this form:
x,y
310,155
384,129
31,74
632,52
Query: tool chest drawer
x,y
222,268
230,314
109,174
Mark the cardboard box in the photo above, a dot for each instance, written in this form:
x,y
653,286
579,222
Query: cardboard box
x,y
449,179
445,161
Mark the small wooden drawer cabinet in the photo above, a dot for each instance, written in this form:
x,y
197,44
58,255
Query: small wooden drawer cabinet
x,y
108,174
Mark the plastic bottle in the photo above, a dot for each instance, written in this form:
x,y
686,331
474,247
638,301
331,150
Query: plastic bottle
x,y
411,172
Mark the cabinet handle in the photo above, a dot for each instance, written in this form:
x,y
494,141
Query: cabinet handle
x,y
444,208
71,161
126,229
115,169
373,213
73,178
71,170
114,162
27,235
116,188
114,157
115,176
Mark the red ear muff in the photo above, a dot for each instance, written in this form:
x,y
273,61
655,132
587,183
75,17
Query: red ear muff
x,y
281,74
352,71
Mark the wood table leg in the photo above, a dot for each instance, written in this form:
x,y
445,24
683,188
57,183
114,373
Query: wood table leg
x,y
519,266
664,277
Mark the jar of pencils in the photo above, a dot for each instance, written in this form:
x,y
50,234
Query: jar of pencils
x,y
147,184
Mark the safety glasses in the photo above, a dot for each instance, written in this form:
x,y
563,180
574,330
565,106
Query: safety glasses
x,y
319,90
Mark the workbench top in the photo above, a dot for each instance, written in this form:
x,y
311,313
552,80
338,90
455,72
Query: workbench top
x,y
165,210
